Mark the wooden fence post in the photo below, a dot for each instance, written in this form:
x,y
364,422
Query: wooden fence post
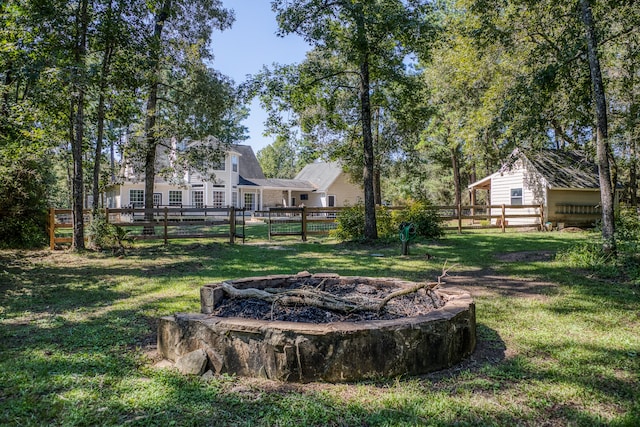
x,y
52,228
166,225
503,219
232,225
244,231
304,223
542,228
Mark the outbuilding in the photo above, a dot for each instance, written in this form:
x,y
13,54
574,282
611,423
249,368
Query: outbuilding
x,y
564,182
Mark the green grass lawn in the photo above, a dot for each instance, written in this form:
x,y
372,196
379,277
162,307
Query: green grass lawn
x,y
77,337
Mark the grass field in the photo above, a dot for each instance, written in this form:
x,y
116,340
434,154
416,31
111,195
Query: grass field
x,y
557,346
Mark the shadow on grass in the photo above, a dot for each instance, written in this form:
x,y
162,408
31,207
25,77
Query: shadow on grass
x,y
93,378
69,351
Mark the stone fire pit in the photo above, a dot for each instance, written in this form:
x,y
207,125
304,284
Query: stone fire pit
x,y
333,352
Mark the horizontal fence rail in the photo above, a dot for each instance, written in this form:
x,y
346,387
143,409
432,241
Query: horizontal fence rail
x,y
300,221
172,222
304,221
482,216
159,223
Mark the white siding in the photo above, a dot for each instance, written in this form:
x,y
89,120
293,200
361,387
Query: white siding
x,y
193,181
533,192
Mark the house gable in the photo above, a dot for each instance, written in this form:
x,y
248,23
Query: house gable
x,y
518,184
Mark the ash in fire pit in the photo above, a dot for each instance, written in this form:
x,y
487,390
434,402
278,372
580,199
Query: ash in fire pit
x,y
325,327
362,300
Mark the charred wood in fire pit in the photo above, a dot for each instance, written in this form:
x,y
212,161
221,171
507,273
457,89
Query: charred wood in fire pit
x,y
328,301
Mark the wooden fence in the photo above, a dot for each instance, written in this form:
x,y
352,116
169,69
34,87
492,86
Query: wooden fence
x,y
202,222
482,216
300,221
159,223
305,221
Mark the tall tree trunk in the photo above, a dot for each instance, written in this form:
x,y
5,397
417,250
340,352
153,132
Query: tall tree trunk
x,y
370,226
457,181
150,131
632,126
377,187
602,143
77,118
105,69
8,80
112,154
633,172
106,60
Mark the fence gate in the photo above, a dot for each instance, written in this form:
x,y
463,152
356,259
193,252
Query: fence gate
x,y
287,222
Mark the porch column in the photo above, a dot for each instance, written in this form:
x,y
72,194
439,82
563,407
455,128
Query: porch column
x,y
289,198
261,198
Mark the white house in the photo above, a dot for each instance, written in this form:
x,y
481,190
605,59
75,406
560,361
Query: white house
x,y
318,185
565,182
239,182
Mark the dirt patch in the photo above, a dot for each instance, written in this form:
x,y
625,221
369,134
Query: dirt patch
x,y
526,256
487,282
571,230
173,268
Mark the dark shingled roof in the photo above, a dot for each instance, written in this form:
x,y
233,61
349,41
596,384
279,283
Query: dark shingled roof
x,y
564,168
249,165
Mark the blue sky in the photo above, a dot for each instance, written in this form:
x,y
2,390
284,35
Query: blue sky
x,y
249,45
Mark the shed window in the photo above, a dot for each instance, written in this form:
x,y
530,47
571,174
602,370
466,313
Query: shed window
x,y
516,196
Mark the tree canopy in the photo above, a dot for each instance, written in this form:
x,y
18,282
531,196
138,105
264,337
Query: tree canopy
x,y
416,98
75,76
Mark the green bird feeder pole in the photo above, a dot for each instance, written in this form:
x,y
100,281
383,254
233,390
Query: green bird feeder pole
x,y
407,233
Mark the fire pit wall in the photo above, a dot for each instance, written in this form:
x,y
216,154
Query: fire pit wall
x,y
333,352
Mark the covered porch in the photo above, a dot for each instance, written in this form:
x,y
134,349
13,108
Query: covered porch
x,y
262,194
